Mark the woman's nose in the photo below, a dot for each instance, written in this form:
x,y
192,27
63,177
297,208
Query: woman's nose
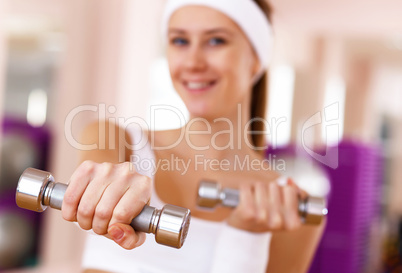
x,y
195,59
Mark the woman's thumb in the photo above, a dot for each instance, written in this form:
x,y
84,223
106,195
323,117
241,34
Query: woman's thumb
x,y
125,236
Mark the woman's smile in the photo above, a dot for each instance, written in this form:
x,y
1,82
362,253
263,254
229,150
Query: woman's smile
x,y
199,86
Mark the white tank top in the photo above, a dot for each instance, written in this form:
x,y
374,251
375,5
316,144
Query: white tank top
x,y
199,254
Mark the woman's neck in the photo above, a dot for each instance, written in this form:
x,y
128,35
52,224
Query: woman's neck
x,y
221,137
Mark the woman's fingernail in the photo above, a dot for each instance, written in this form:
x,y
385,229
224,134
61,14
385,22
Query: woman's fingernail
x,y
282,180
116,233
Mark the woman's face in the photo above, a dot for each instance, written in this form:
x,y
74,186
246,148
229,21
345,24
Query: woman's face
x,y
211,61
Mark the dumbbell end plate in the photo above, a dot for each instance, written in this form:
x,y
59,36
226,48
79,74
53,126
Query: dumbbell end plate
x,y
208,194
30,189
316,210
173,226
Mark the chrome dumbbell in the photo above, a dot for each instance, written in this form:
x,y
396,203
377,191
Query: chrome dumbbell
x,y
37,190
210,194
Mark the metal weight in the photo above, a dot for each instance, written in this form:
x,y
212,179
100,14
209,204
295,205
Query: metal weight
x,y
37,190
210,194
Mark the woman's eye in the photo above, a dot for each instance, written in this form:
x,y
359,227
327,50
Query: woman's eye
x,y
216,41
179,41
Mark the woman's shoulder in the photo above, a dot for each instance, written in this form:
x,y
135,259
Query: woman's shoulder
x,y
138,134
102,132
100,141
164,139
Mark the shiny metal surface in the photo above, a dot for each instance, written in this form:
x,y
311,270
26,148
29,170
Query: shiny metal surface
x,y
143,220
172,227
312,210
56,195
36,190
209,194
230,197
316,209
31,188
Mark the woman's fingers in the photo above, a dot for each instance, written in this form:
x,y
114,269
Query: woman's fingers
x,y
267,207
76,188
105,207
105,198
126,209
262,202
245,212
301,193
124,212
291,204
275,206
246,201
88,203
103,176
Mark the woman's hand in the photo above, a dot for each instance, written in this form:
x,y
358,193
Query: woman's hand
x,y
105,198
267,207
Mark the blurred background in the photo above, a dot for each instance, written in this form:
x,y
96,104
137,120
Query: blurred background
x,y
335,94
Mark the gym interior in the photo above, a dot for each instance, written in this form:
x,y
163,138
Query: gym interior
x,y
334,111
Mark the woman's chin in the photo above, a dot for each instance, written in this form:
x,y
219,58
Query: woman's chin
x,y
201,110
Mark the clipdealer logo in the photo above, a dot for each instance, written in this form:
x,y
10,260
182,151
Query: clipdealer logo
x,y
330,119
234,132
201,163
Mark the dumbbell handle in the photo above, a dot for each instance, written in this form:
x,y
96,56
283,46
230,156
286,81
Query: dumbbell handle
x,y
311,210
37,190
145,221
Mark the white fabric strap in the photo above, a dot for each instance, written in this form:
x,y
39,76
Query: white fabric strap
x,y
248,16
239,251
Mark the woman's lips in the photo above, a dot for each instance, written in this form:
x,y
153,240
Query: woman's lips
x,y
198,86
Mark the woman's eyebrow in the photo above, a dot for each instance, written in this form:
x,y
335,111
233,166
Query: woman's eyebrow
x,y
176,30
217,30
210,31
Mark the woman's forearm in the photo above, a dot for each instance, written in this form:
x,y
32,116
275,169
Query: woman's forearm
x,y
293,251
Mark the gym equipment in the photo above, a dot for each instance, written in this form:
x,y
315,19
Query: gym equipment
x,y
210,194
18,153
22,146
37,190
16,239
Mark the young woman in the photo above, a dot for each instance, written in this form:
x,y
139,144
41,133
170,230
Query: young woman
x,y
218,52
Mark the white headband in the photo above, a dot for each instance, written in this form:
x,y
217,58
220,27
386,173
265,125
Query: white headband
x,y
245,13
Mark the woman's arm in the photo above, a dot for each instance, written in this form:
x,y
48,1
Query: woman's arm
x,y
110,153
263,208
112,146
111,140
293,251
